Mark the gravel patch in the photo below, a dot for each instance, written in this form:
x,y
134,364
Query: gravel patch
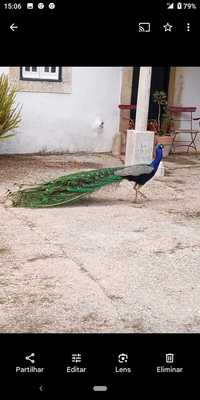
x,y
105,264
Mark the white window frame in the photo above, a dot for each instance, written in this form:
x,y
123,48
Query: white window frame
x,y
41,74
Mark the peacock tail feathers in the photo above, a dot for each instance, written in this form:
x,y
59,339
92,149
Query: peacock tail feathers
x,y
66,189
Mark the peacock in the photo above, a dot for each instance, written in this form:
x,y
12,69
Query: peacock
x,y
69,189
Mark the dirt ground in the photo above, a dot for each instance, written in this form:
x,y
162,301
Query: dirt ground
x,y
106,264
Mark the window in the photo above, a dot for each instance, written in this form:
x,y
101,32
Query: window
x,y
42,79
41,73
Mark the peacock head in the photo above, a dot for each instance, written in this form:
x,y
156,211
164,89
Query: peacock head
x,y
159,149
160,146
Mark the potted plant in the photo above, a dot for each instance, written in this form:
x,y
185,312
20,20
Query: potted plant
x,y
10,114
163,125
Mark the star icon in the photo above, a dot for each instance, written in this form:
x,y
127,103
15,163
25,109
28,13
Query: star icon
x,y
168,27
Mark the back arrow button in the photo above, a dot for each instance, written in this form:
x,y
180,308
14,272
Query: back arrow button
x,y
13,27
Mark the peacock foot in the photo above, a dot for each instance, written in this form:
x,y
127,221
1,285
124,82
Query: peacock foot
x,y
137,204
143,195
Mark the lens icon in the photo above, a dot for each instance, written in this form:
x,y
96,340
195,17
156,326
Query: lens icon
x,y
52,6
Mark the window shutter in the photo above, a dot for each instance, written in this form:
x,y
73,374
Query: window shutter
x,y
50,73
31,72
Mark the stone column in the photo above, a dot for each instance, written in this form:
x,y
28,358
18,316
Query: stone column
x,y
143,99
139,146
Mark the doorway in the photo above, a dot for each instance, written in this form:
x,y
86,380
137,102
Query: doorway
x,y
159,81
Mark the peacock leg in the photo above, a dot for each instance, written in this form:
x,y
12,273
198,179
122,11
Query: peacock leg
x,y
142,194
136,192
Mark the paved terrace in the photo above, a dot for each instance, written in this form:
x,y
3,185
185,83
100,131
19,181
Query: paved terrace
x,y
106,264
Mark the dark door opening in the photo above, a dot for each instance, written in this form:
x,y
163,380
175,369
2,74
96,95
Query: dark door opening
x,y
159,81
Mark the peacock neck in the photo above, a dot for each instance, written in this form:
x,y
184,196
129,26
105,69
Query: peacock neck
x,y
155,163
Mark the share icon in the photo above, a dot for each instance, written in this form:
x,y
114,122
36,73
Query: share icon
x,y
30,358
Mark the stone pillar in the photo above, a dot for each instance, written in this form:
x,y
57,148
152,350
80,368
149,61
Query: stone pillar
x,y
139,147
140,142
143,99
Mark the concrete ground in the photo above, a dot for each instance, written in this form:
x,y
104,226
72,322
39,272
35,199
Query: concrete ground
x,y
106,264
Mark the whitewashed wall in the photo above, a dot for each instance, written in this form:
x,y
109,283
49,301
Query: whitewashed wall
x,y
187,93
67,122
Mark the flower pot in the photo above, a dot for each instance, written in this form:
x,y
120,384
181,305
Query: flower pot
x,y
166,140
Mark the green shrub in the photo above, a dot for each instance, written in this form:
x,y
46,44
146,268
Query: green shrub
x,y
10,114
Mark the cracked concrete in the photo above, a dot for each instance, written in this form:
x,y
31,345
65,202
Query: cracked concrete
x,y
106,264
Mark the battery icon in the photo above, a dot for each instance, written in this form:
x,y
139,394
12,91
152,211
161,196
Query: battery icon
x,y
179,6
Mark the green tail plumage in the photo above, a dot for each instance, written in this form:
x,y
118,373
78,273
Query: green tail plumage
x,y
66,189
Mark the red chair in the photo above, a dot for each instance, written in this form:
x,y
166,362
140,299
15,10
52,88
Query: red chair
x,y
184,114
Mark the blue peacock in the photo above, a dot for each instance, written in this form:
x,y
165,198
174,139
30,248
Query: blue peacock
x,y
71,188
